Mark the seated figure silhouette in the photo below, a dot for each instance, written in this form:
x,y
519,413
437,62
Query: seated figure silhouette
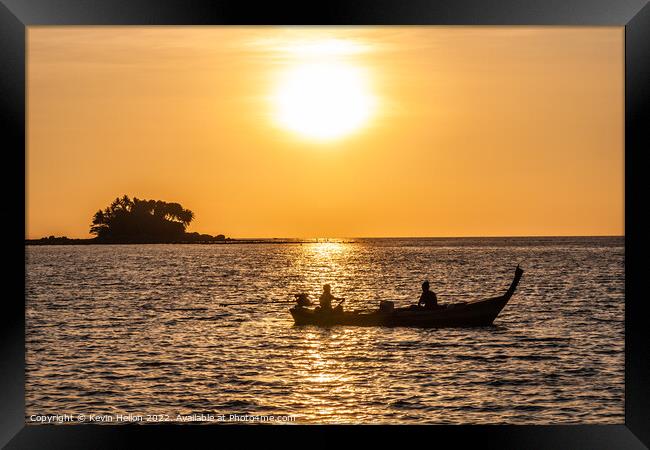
x,y
326,298
428,299
302,300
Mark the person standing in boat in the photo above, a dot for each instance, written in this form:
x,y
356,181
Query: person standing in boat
x,y
326,298
428,299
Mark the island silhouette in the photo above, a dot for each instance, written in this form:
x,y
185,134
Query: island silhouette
x,y
138,221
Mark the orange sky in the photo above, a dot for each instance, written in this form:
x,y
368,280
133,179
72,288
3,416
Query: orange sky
x,y
472,131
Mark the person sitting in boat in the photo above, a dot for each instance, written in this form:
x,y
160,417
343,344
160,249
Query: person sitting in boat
x,y
428,299
326,298
302,300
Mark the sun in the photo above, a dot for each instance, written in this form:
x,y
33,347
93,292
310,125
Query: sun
x,y
323,100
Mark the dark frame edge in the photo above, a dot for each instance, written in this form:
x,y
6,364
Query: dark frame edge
x,y
332,12
12,357
637,117
12,320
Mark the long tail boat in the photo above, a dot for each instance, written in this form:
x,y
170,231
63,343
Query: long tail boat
x,y
475,313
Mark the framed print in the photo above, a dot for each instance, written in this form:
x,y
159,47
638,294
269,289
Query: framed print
x,y
280,221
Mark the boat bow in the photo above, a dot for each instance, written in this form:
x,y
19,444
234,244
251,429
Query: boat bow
x,y
513,286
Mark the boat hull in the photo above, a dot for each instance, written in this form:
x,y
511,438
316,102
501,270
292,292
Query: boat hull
x,y
471,314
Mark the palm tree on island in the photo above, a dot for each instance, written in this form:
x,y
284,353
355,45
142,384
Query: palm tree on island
x,y
137,220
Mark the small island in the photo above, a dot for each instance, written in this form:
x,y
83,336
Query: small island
x,y
137,221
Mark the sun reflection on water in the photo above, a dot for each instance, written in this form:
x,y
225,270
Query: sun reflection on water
x,y
325,250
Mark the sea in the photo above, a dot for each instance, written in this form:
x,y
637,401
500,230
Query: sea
x,y
202,333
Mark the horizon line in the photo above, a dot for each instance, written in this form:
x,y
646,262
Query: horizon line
x,y
397,237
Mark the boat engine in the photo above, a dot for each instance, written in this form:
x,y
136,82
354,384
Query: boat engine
x,y
386,306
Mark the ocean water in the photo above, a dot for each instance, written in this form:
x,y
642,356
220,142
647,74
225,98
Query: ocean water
x,y
171,331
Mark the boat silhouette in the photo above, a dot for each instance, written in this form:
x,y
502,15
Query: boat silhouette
x,y
475,313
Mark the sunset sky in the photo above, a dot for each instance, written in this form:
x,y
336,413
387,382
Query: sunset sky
x,y
330,131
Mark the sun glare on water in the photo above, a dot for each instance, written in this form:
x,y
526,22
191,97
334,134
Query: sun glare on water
x,y
323,96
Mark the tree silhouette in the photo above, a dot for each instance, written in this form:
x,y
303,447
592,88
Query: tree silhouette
x,y
141,220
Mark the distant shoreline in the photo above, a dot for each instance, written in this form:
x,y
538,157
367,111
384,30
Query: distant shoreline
x,y
227,241
59,241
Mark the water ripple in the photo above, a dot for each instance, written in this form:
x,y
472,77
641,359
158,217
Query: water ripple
x,y
177,329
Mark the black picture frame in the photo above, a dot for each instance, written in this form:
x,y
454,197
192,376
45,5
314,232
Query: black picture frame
x,y
16,15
